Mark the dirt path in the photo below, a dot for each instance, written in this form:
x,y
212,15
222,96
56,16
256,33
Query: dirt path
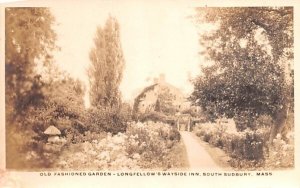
x,y
198,157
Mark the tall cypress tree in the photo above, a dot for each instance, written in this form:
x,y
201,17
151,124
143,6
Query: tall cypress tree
x,y
107,64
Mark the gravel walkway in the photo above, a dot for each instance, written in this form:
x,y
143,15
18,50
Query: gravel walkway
x,y
198,157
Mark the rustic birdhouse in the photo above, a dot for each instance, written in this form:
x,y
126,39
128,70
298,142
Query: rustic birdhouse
x,y
52,133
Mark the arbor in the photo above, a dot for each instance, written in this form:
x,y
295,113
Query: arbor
x,y
107,64
249,51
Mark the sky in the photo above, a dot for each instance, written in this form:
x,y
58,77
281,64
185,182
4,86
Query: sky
x,y
156,39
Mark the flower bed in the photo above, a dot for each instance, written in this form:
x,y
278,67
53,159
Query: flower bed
x,y
142,146
248,149
243,145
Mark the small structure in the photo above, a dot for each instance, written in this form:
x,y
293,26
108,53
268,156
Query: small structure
x,y
53,134
184,122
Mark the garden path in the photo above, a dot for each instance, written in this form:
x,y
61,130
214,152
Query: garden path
x,y
198,157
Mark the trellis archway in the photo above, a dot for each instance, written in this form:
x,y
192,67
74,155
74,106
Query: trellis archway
x,y
183,122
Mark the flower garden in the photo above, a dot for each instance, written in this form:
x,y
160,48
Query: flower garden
x,y
143,146
249,149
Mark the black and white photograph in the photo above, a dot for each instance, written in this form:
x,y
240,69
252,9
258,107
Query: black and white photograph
x,y
110,86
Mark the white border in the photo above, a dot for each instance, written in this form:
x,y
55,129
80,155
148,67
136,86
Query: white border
x,y
289,178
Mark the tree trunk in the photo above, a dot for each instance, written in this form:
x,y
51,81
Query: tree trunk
x,y
279,123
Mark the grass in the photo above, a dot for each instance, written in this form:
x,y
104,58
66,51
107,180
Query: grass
x,y
217,154
178,156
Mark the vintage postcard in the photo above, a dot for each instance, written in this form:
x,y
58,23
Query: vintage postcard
x,y
149,93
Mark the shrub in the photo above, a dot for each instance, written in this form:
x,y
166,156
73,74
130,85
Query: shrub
x,y
108,119
191,112
250,149
152,142
211,133
144,145
153,116
243,145
107,152
246,145
281,153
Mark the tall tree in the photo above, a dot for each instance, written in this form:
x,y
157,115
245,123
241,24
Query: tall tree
x,y
29,39
107,64
249,48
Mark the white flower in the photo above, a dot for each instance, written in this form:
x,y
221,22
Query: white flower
x,y
278,136
136,156
104,155
63,163
139,124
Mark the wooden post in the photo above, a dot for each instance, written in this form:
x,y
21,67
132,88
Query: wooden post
x,y
178,124
189,125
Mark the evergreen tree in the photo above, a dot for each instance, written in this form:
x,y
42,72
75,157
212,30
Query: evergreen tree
x,y
107,64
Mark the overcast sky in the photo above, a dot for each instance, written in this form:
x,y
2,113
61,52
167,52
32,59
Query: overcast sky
x,y
156,38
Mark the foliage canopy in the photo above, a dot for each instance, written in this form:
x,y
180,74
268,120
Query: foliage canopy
x,y
251,50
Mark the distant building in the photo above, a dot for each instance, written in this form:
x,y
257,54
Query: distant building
x,y
149,98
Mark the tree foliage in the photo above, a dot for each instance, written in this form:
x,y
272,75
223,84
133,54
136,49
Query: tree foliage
x,y
37,93
141,97
63,100
29,38
238,23
249,50
164,102
107,64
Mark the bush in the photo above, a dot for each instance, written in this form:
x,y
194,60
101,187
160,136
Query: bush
x,y
191,112
250,149
107,152
153,116
211,133
143,146
281,153
108,119
243,145
152,142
